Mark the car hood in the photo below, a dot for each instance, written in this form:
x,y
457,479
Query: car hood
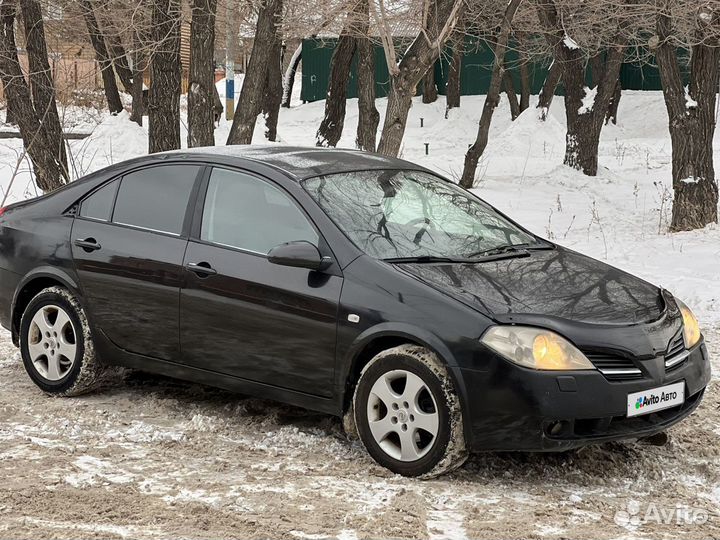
x,y
555,282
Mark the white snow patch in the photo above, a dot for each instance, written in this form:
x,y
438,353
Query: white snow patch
x,y
690,103
570,43
588,101
124,531
94,470
690,180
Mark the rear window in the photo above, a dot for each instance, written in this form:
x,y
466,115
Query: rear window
x,y
156,198
99,205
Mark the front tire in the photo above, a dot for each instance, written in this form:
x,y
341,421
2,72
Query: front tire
x,y
56,344
408,414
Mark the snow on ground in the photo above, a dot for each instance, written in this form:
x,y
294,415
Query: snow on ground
x,y
155,458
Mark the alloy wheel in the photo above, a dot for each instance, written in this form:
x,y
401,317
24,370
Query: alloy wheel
x,y
52,342
403,415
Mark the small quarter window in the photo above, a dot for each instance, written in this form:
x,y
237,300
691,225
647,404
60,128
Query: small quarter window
x,y
99,204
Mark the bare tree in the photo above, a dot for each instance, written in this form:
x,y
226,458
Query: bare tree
x,y
492,98
289,78
201,122
103,58
42,85
165,77
368,117
509,88
49,171
547,92
332,124
691,114
452,91
273,92
251,95
115,47
584,113
140,64
405,75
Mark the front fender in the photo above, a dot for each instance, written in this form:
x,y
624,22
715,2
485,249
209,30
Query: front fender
x,y
409,333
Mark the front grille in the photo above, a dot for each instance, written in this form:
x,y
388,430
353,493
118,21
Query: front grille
x,y
676,354
614,367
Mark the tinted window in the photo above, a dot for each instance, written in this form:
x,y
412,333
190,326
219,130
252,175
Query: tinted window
x,y
99,204
248,213
155,198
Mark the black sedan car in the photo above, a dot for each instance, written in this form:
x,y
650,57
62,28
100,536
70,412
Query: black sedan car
x,y
348,283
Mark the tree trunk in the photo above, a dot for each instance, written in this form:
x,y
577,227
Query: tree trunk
x,y
509,88
272,97
10,114
139,67
116,50
584,126
368,117
524,82
423,53
547,92
42,85
452,92
165,77
611,115
251,95
106,69
430,93
48,171
289,79
201,122
584,123
692,127
492,99
597,70
218,108
330,130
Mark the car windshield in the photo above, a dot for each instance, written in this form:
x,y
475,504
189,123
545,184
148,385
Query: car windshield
x,y
398,214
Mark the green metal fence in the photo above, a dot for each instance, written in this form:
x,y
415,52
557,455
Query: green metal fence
x,y
474,78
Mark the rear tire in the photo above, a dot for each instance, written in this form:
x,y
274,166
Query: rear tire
x,y
56,345
408,414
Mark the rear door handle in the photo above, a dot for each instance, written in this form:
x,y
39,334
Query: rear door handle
x,y
202,269
88,244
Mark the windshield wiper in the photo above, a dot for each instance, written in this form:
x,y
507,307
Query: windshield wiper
x,y
520,250
422,259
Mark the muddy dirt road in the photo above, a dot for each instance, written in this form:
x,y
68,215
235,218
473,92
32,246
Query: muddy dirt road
x,y
155,458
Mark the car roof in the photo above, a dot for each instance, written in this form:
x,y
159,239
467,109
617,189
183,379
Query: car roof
x,y
300,162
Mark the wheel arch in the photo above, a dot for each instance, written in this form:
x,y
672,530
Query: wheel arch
x,y
30,285
385,336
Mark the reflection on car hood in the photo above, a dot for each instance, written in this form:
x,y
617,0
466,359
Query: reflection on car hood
x,y
558,283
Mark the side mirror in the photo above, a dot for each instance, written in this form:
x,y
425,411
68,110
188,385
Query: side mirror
x,y
300,254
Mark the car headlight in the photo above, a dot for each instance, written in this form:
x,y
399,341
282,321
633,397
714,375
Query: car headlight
x,y
535,348
691,328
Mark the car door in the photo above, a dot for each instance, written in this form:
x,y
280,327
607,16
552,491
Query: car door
x,y
247,317
129,238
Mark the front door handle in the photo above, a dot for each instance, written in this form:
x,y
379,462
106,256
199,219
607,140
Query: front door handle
x,y
202,269
88,244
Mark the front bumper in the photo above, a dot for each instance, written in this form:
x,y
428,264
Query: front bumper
x,y
513,408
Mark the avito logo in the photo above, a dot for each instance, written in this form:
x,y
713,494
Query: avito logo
x,y
654,399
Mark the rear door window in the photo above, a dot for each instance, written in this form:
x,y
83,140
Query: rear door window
x,y
156,198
